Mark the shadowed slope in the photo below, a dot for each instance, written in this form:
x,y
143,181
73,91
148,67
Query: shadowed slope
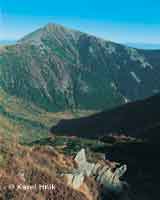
x,y
137,119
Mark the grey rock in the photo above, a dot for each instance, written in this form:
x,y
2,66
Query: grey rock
x,y
75,180
104,174
83,166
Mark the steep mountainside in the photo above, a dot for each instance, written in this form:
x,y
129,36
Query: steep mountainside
x,y
59,69
139,119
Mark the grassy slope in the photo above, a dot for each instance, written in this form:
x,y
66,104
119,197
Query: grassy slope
x,y
26,120
21,165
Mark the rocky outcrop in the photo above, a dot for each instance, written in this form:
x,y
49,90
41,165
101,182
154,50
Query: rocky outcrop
x,y
75,179
104,174
84,166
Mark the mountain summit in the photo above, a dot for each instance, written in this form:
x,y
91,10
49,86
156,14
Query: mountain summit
x,y
58,69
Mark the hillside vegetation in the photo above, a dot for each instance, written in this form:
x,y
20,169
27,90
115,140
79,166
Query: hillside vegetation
x,y
57,69
28,121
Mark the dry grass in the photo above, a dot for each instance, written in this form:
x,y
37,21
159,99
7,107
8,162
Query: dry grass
x,y
34,166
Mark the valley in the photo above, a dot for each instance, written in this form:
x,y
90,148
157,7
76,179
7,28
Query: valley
x,y
64,92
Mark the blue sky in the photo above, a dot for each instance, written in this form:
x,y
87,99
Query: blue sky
x,y
120,21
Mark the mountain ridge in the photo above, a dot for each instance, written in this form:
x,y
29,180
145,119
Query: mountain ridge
x,y
68,69
139,119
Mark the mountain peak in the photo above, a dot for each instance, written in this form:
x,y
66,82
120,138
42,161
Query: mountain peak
x,y
50,30
54,26
68,69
